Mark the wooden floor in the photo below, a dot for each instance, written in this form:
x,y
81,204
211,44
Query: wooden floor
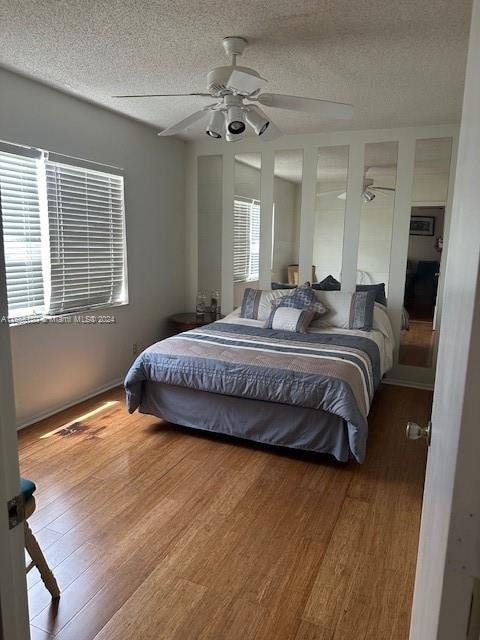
x,y
416,344
159,532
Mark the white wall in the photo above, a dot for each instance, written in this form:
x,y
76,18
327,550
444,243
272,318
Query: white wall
x,y
58,364
287,200
328,230
375,239
209,223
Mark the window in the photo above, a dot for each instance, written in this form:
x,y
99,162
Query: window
x,y
64,237
246,240
20,207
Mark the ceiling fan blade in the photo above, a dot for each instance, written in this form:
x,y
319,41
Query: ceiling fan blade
x,y
164,95
382,188
185,123
324,108
245,83
272,132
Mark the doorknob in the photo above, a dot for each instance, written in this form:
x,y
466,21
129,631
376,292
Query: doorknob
x,y
414,431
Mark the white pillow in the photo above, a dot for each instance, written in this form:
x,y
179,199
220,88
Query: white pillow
x,y
339,304
257,303
289,319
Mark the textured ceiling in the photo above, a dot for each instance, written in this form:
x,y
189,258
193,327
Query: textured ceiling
x,y
398,62
431,155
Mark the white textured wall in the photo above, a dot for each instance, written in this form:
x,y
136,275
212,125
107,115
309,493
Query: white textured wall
x,y
58,364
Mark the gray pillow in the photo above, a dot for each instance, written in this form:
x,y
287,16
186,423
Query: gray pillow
x,y
379,289
361,310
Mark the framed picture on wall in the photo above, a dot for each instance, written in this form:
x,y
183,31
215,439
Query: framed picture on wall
x,y
422,225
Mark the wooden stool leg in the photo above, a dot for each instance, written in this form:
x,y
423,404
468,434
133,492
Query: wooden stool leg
x,y
39,561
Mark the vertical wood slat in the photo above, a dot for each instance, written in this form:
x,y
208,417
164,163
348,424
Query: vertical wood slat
x,y
307,212
228,183
266,211
353,211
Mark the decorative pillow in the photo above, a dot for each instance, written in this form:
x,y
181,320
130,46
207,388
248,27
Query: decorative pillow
x,y
361,311
331,284
327,284
257,304
379,289
346,310
289,319
302,298
282,285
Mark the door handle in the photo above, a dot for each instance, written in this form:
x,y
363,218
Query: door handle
x,y
415,432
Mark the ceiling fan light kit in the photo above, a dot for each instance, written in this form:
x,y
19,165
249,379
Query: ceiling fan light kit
x,y
236,90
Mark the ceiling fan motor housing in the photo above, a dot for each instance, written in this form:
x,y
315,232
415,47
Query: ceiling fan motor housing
x,y
217,79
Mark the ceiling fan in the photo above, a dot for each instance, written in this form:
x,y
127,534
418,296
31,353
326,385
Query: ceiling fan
x,y
369,191
237,91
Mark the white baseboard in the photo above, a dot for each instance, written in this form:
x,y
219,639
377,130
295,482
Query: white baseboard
x,y
57,408
404,383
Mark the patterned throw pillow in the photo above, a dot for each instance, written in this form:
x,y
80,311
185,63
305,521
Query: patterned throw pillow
x,y
303,297
289,319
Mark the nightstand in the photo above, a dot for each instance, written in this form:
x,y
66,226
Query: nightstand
x,y
186,321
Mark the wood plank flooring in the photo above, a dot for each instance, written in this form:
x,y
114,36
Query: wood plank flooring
x,y
157,532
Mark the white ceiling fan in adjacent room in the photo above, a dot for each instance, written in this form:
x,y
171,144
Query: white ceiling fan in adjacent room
x,y
369,191
237,93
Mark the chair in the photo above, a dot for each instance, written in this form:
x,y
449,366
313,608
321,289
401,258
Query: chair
x,y
27,488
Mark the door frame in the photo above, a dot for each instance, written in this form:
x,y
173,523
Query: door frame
x,y
448,566
14,624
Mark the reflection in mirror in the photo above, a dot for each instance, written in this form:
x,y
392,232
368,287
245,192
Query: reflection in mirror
x,y
376,220
424,259
246,224
330,202
209,194
287,194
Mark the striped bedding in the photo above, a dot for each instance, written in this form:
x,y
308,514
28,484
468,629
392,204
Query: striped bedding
x,y
337,373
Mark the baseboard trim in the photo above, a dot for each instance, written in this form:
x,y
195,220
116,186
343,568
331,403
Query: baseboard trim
x,y
404,383
51,412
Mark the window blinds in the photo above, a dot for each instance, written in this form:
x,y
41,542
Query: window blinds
x,y
20,209
87,238
246,232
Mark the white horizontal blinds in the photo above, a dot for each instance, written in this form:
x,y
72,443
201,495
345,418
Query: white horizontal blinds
x,y
20,206
246,240
87,238
254,255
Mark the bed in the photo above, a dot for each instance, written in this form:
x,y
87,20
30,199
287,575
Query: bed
x,y
309,391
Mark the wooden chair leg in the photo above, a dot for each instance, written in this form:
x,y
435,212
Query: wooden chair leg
x,y
39,561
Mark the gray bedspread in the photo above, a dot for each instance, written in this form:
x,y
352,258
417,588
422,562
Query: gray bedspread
x,y
334,372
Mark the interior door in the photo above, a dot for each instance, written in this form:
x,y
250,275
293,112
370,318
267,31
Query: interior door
x,y
445,603
13,588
